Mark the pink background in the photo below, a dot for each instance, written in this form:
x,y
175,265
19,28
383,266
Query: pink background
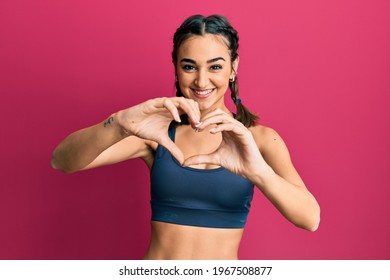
x,y
316,72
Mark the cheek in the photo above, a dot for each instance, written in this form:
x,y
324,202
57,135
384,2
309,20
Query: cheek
x,y
184,78
221,81
223,77
184,83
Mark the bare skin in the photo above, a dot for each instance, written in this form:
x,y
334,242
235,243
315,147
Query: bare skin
x,y
213,139
177,242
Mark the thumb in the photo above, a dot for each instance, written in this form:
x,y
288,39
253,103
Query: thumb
x,y
198,159
173,149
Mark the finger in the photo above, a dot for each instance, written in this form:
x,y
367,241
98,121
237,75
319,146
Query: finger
x,y
198,159
170,106
173,149
227,127
191,108
217,119
163,104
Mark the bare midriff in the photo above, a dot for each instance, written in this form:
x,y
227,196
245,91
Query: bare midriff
x,y
179,242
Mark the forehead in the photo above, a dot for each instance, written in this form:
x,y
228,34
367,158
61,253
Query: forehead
x,y
203,48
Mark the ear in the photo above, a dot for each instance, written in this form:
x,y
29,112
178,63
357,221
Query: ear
x,y
235,66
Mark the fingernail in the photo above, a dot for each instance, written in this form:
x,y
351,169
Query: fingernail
x,y
198,124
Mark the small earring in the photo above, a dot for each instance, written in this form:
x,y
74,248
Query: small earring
x,y
232,79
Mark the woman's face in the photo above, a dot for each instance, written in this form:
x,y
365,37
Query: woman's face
x,y
203,70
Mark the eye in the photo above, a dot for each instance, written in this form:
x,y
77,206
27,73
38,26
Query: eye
x,y
216,67
188,67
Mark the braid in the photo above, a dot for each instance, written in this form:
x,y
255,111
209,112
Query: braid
x,y
243,114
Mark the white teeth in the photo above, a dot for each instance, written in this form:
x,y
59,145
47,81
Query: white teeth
x,y
203,92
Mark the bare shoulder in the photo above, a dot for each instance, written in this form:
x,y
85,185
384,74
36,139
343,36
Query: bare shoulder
x,y
266,137
275,152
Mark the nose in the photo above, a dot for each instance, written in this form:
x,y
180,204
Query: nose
x,y
202,79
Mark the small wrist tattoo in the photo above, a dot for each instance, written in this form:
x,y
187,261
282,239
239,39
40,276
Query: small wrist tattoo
x,y
108,121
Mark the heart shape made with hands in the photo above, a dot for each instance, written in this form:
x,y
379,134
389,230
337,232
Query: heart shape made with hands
x,y
151,120
194,159
234,137
178,154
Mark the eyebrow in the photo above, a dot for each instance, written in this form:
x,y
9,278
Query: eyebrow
x,y
188,60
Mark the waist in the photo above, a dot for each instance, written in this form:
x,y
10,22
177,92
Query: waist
x,y
171,241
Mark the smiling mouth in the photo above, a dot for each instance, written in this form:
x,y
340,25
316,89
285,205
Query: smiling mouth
x,y
203,93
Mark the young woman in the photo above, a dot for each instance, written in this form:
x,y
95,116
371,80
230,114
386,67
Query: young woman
x,y
204,160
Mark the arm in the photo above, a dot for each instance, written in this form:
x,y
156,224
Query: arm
x,y
281,183
124,135
271,170
95,146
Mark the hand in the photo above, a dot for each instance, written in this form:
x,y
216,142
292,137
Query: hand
x,y
238,151
150,120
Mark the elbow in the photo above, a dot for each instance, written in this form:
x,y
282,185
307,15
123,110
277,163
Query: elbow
x,y
314,222
313,227
53,162
56,164
313,219
310,221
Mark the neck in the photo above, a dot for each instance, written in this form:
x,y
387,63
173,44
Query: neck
x,y
207,111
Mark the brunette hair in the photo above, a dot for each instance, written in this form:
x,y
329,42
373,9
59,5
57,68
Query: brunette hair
x,y
217,25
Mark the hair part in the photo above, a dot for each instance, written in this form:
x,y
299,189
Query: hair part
x,y
198,25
